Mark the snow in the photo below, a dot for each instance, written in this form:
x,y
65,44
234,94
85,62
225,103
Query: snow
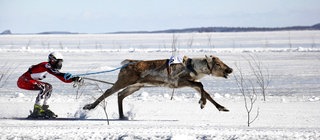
x,y
291,109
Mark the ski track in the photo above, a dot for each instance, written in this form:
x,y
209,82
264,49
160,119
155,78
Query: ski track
x,y
155,117
86,129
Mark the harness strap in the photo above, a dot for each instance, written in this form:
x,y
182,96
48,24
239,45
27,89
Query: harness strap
x,y
208,66
168,67
187,63
190,67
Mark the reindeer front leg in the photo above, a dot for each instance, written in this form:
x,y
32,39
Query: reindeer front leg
x,y
198,87
218,106
203,100
204,95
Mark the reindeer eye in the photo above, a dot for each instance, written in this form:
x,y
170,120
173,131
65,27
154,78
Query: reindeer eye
x,y
218,65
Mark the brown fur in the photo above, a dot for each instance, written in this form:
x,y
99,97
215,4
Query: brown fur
x,y
137,74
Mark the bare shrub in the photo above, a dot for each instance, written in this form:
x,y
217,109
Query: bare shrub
x,y
81,88
6,71
248,91
210,42
104,103
190,42
174,45
261,73
257,80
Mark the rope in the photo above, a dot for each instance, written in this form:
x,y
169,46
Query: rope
x,y
101,81
99,72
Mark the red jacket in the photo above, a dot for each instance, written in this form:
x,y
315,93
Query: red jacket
x,y
39,72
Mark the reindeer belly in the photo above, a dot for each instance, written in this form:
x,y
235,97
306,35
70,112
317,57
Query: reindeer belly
x,y
159,78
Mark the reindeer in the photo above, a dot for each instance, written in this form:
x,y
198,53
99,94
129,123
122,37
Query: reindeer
x,y
136,74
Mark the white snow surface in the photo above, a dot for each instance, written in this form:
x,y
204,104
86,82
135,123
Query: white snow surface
x,y
291,109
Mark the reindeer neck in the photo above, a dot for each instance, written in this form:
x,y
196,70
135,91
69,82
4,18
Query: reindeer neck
x,y
200,66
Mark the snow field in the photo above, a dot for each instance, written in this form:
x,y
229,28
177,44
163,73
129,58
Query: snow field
x,y
290,112
162,118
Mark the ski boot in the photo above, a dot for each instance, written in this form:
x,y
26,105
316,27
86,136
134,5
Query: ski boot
x,y
41,113
48,113
37,112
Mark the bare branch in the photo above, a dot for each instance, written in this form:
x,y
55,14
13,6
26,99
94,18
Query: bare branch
x,y
190,41
257,114
104,103
6,71
81,88
261,73
248,91
174,45
210,44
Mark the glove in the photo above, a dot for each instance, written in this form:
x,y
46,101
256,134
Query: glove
x,y
77,79
67,76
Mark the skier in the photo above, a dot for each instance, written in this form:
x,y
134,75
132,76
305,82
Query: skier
x,y
30,80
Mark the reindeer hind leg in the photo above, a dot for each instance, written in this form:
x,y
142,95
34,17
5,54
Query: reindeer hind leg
x,y
106,94
116,87
123,94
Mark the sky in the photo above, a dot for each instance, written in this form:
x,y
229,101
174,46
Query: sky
x,y
104,16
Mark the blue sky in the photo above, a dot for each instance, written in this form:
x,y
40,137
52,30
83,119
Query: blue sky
x,y
102,16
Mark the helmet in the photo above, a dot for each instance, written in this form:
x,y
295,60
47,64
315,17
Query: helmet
x,y
55,56
55,59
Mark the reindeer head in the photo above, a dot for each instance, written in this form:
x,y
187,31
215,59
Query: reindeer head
x,y
217,67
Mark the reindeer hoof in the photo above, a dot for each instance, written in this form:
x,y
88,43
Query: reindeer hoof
x,y
202,104
223,109
88,107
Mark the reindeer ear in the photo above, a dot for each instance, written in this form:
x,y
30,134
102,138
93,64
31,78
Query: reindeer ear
x,y
185,58
208,58
213,57
209,62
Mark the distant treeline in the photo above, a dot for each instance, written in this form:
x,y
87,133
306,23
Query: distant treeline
x,y
203,30
229,29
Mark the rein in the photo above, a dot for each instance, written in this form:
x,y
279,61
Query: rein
x,y
99,72
208,66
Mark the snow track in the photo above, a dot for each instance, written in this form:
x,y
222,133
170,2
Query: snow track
x,y
143,129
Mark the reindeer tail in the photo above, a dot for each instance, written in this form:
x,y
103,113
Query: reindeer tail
x,y
127,61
